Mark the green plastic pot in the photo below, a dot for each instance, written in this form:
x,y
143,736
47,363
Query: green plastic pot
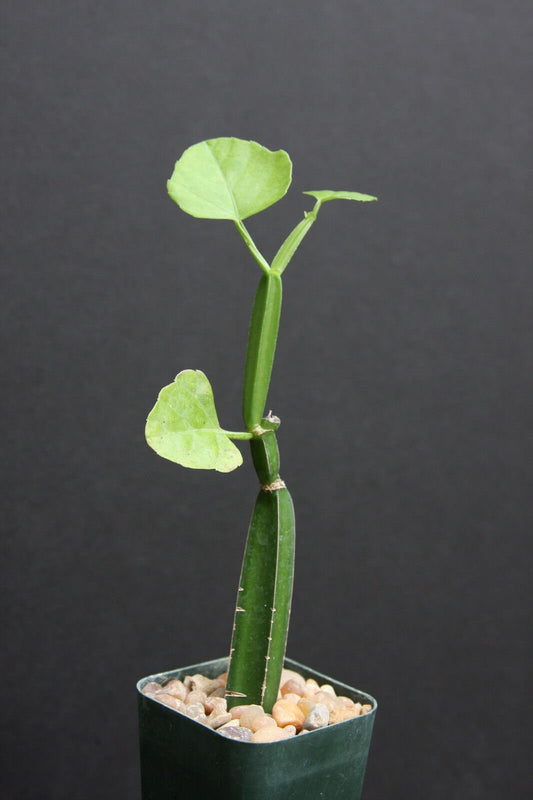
x,y
181,759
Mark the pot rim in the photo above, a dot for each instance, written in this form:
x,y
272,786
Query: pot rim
x,y
289,663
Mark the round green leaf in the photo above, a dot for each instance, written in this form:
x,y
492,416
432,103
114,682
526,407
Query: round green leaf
x,y
183,426
229,178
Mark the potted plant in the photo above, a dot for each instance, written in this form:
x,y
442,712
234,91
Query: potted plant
x,y
182,754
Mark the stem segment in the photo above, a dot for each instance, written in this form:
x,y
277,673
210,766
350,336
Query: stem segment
x,y
252,247
264,598
262,339
293,240
265,589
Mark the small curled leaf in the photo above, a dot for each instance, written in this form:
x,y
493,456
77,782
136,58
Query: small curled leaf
x,y
183,426
326,194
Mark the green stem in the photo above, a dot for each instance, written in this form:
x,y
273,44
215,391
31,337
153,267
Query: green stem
x,y
265,590
250,244
293,240
263,602
262,339
265,455
239,435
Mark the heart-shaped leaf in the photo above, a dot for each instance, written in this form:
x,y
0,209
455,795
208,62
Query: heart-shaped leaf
x,y
327,194
229,178
183,426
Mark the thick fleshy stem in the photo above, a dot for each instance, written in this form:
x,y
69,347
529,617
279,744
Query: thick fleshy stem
x,y
262,337
265,588
264,598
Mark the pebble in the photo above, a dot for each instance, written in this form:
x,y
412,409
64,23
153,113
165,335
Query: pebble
x,y
249,713
236,711
196,696
292,697
216,720
318,717
270,734
236,732
170,701
176,689
347,701
342,713
234,722
151,687
194,710
302,707
311,687
294,686
327,700
203,684
217,704
287,713
305,704
264,721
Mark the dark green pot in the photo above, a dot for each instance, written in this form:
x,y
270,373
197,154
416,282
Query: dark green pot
x,y
182,759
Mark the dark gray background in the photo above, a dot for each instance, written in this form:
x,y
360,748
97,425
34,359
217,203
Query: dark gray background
x,y
403,375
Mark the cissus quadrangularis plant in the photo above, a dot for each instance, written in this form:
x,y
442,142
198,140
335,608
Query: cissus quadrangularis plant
x,y
233,179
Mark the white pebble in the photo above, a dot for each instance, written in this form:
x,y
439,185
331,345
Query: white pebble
x,y
236,732
194,710
176,689
170,701
216,720
318,717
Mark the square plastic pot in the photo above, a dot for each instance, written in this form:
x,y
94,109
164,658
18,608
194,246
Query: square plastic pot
x,y
181,759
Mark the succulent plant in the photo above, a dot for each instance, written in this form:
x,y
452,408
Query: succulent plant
x,y
233,179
